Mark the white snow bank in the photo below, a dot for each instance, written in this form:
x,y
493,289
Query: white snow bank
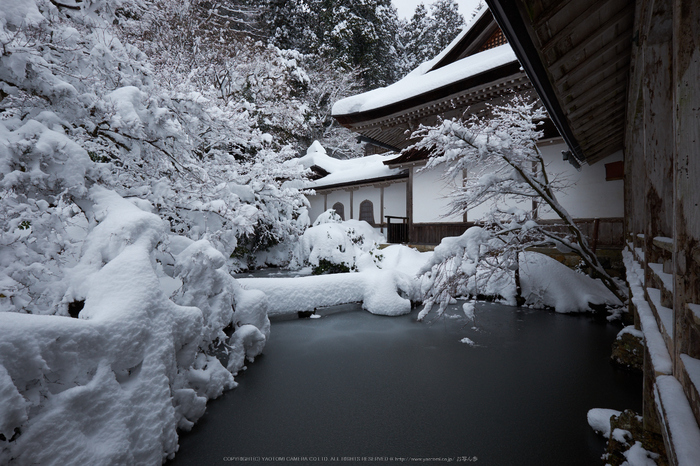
x,y
638,456
112,386
343,171
416,84
383,292
683,428
547,282
660,359
599,420
402,258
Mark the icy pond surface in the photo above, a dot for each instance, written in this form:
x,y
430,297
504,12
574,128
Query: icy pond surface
x,y
352,384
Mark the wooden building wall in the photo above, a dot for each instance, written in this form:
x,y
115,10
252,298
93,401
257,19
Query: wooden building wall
x,y
662,196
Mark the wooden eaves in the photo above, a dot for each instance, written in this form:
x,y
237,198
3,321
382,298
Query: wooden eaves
x,y
577,55
391,125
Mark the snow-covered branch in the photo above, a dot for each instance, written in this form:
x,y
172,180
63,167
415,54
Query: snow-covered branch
x,y
498,156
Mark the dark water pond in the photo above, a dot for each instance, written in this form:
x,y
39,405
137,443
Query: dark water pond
x,y
384,389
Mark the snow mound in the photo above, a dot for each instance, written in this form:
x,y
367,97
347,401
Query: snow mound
x,y
547,282
403,258
382,292
114,385
599,420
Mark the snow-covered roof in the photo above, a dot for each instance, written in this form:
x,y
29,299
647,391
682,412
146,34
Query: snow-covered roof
x,y
363,169
424,68
415,84
431,75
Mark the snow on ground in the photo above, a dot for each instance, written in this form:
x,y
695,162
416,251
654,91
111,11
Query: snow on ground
x,y
112,386
547,282
383,292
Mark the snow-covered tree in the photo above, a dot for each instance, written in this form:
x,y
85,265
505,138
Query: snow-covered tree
x,y
291,24
126,182
428,32
506,172
351,36
364,36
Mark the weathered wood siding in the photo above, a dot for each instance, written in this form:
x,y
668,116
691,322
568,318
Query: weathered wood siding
x,y
433,233
686,106
662,189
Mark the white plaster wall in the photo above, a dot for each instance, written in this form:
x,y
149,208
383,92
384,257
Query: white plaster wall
x,y
431,197
395,200
316,209
589,196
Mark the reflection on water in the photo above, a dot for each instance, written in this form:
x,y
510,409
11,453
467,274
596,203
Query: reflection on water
x,y
352,384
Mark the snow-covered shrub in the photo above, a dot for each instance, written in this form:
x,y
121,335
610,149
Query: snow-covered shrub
x,y
333,245
113,385
224,304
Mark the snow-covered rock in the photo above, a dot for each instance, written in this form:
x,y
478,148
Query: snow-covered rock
x,y
599,420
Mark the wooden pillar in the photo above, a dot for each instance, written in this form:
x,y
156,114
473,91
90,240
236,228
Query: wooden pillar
x,y
351,201
325,202
409,203
381,209
657,43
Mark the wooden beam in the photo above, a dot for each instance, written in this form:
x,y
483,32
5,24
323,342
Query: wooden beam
x,y
613,128
592,101
551,12
622,58
596,86
613,140
351,191
623,14
409,201
590,94
381,209
602,153
592,118
556,38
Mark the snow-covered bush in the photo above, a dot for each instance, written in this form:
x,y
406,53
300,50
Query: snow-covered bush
x,y
114,385
101,161
383,288
333,245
